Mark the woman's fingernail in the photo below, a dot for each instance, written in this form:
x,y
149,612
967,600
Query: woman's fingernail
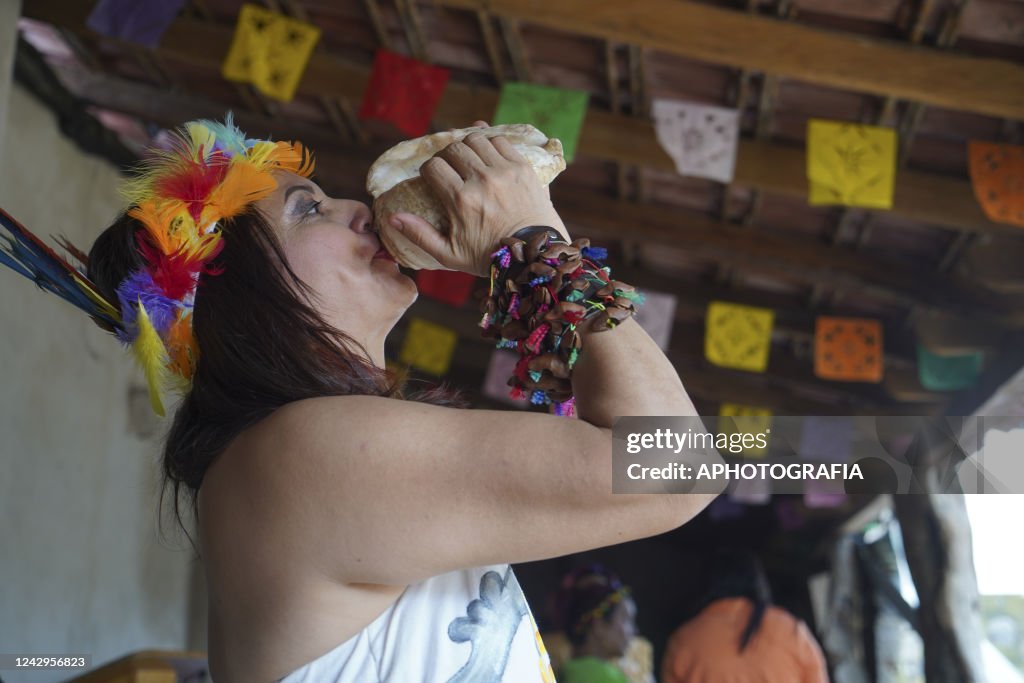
x,y
397,224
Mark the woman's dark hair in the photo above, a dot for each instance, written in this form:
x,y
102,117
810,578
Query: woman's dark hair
x,y
261,346
582,591
733,573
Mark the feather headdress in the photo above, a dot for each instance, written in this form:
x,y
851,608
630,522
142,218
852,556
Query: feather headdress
x,y
182,195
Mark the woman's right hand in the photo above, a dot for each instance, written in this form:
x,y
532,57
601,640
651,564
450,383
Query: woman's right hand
x,y
489,191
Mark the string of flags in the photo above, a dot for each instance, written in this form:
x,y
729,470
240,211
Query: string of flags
x,y
848,164
737,336
845,349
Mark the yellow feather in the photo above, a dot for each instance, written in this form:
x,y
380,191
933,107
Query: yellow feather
x,y
261,153
152,356
141,186
202,138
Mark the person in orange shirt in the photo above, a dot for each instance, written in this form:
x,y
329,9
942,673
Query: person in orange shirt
x,y
739,636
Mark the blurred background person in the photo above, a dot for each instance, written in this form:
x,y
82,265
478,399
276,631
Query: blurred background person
x,y
738,636
598,617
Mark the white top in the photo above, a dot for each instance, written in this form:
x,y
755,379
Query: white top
x,y
467,626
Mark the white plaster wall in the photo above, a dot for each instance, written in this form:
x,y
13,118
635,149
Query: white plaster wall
x,y
10,10
81,567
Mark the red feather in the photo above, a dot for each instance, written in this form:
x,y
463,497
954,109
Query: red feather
x,y
194,181
174,273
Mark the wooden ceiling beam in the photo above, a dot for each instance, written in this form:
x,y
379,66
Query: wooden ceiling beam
x,y
929,198
836,60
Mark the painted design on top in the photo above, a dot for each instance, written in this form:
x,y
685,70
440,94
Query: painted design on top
x,y
490,624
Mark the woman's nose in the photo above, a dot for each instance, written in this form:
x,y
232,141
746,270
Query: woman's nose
x,y
362,219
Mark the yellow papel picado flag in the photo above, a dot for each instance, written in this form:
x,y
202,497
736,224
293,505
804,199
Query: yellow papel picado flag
x,y
428,346
270,51
738,336
850,164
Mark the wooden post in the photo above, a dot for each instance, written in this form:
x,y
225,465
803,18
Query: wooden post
x,y
937,538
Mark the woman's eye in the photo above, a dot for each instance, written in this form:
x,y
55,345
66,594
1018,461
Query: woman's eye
x,y
314,208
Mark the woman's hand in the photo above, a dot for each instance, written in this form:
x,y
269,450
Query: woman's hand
x,y
489,191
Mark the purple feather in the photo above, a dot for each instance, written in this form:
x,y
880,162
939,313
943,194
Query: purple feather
x,y
162,311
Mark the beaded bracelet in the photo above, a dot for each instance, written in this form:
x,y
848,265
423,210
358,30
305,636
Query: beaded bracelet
x,y
543,292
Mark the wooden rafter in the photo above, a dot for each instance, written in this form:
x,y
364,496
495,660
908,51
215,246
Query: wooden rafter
x,y
915,110
630,248
638,109
611,72
329,104
926,197
491,45
763,123
413,29
337,119
835,60
516,49
379,29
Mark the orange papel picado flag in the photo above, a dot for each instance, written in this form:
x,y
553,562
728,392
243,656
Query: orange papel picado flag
x,y
997,173
848,349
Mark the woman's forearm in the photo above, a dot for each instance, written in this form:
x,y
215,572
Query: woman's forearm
x,y
623,372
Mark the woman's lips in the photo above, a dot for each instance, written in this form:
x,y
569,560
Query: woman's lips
x,y
384,254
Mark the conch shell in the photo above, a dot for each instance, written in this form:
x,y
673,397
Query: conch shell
x,y
395,183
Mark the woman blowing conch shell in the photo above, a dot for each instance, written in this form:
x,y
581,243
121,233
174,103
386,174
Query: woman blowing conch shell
x,y
395,183
351,527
